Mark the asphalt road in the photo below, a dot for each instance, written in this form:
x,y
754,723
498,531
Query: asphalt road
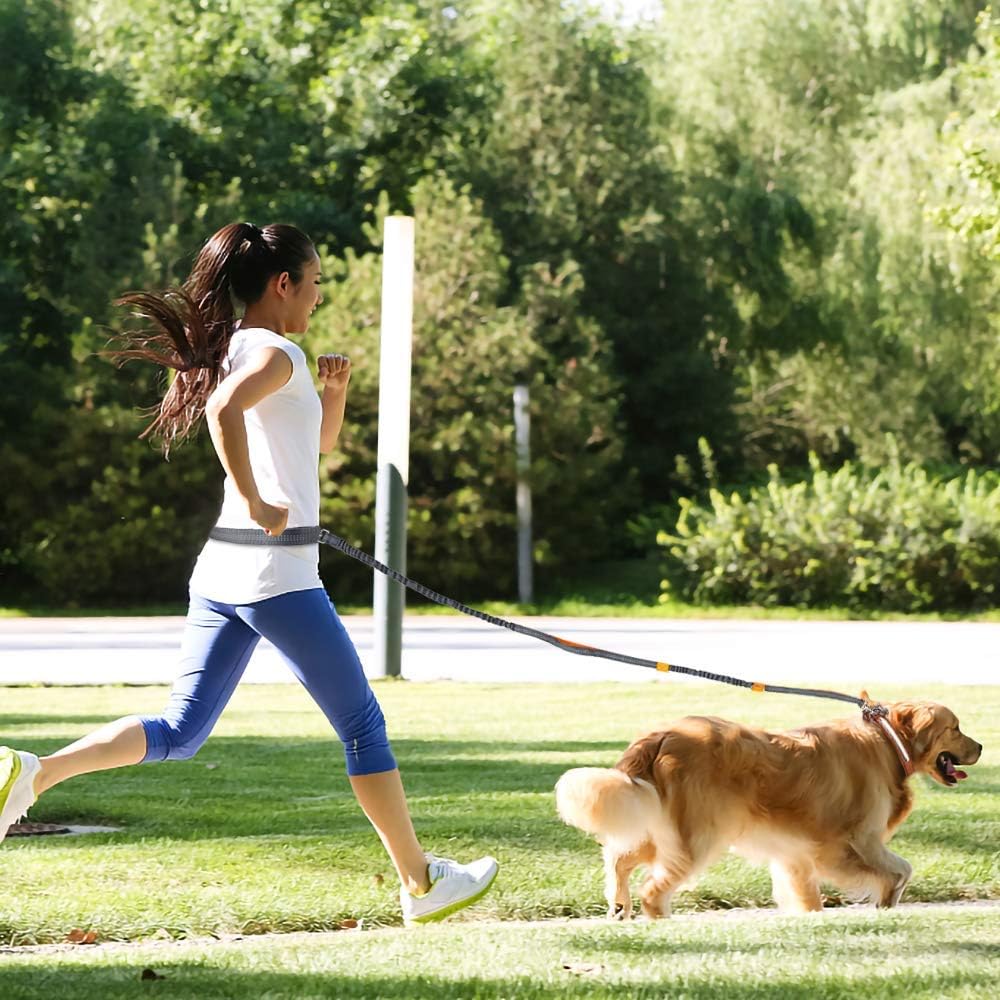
x,y
845,655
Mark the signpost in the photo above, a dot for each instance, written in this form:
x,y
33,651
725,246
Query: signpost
x,y
393,440
522,438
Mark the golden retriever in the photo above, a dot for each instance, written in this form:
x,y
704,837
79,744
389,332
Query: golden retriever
x,y
818,803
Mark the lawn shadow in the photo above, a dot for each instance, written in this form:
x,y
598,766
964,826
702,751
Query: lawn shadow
x,y
968,843
597,977
260,786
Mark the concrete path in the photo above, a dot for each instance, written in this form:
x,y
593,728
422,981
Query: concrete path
x,y
845,655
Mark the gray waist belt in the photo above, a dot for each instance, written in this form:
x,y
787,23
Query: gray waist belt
x,y
257,536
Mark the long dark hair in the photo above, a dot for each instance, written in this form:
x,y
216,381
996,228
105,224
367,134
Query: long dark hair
x,y
191,326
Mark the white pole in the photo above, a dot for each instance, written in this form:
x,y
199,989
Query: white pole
x,y
393,440
522,437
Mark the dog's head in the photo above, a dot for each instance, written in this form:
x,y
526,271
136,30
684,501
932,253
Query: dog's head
x,y
936,743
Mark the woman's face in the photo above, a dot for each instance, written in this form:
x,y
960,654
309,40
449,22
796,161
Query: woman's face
x,y
303,298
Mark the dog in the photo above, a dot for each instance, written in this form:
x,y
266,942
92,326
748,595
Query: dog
x,y
817,803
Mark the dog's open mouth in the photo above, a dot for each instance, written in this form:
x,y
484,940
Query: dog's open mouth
x,y
945,765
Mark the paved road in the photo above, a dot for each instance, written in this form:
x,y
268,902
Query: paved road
x,y
835,654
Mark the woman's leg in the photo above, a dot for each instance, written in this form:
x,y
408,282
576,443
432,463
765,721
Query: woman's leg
x,y
215,649
305,629
117,744
383,800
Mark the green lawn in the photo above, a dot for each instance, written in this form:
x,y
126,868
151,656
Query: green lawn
x,y
909,955
260,833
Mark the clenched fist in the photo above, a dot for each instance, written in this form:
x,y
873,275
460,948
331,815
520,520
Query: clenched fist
x,y
334,370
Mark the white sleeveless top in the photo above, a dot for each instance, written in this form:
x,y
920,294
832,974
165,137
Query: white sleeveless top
x,y
283,439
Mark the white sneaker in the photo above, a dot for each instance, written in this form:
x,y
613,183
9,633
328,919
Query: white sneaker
x,y
17,786
453,886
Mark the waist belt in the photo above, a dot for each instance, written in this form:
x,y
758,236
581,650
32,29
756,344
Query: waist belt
x,y
257,536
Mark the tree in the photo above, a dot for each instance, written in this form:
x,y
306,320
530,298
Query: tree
x,y
571,172
854,312
468,353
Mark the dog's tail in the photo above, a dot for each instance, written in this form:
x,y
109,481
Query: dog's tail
x,y
609,804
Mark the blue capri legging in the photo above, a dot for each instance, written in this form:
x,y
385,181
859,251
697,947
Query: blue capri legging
x,y
305,629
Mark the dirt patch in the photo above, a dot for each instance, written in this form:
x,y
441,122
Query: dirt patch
x,y
57,829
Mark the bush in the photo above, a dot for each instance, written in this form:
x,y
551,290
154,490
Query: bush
x,y
898,538
102,518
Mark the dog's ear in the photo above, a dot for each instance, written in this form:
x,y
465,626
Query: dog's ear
x,y
915,723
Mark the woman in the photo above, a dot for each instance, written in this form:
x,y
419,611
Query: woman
x,y
268,426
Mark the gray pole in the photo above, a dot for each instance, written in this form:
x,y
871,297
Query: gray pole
x,y
393,441
522,437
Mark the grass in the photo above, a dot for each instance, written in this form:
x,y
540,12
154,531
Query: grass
x,y
911,955
260,833
628,588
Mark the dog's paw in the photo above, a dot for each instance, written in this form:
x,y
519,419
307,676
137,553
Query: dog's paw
x,y
619,911
891,898
651,912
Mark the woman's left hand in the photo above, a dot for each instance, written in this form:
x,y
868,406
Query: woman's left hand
x,y
334,370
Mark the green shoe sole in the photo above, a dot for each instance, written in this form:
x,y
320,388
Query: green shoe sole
x,y
447,911
10,771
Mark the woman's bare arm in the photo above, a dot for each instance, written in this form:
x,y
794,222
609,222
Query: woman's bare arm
x,y
267,372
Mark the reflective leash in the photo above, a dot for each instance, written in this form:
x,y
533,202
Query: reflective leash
x,y
310,536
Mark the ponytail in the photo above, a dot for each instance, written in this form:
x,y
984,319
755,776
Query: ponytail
x,y
188,329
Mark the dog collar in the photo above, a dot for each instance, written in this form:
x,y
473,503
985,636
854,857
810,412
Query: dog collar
x,y
879,715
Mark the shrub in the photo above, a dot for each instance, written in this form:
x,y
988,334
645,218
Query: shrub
x,y
897,538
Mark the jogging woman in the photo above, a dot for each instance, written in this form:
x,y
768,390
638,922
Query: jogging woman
x,y
269,426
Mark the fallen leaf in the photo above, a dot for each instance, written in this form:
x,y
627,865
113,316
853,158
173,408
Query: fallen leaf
x,y
348,925
380,880
79,936
150,974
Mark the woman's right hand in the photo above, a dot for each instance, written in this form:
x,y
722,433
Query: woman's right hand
x,y
272,519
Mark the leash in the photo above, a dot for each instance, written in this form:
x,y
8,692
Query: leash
x,y
312,535
871,712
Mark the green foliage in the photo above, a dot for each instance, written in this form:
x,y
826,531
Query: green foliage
x,y
772,225
879,320
468,353
571,168
896,538
126,524
973,211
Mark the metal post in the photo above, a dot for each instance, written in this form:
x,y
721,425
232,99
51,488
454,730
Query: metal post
x,y
522,437
393,440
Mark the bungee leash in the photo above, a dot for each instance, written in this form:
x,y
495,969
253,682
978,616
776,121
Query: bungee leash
x,y
311,535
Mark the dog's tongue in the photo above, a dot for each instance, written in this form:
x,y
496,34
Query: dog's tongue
x,y
953,772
